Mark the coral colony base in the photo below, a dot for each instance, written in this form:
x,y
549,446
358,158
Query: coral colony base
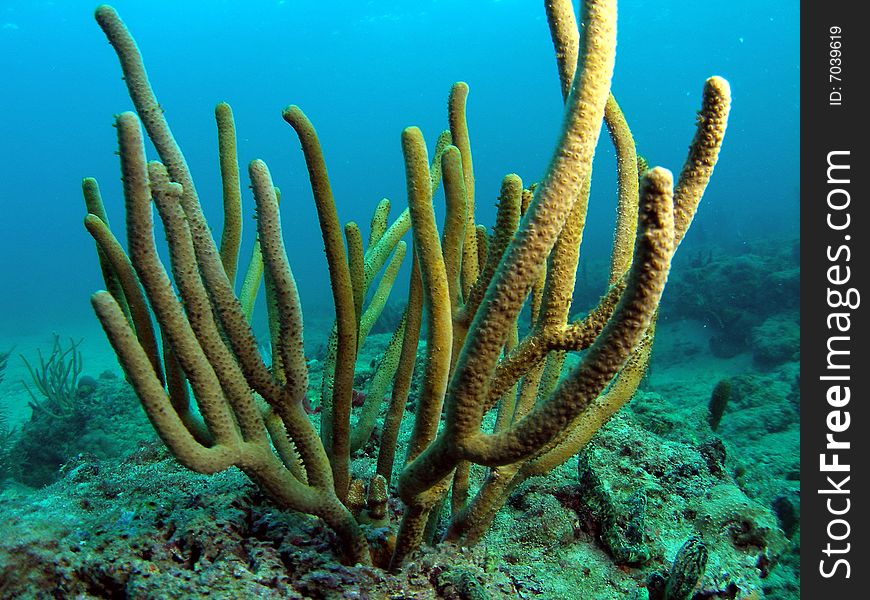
x,y
216,403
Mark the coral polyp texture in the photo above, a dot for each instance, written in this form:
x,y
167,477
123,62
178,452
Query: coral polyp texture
x,y
183,334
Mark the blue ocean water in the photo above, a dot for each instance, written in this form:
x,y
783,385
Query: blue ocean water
x,y
363,71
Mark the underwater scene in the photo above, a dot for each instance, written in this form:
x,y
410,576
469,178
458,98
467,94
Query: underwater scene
x,y
443,299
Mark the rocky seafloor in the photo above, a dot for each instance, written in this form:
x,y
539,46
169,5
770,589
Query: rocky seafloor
x,y
94,507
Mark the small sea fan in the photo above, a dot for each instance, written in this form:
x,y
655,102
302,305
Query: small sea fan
x,y
4,360
6,439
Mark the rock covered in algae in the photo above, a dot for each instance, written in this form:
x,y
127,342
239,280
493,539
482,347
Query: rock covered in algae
x,y
686,493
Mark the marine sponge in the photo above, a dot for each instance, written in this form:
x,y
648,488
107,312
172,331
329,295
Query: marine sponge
x,y
688,569
718,403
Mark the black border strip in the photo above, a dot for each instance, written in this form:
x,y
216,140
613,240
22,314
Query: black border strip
x,y
835,369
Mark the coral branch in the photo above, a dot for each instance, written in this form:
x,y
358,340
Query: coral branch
x,y
471,286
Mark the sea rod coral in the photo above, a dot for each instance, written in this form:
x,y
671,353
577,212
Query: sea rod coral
x,y
470,284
